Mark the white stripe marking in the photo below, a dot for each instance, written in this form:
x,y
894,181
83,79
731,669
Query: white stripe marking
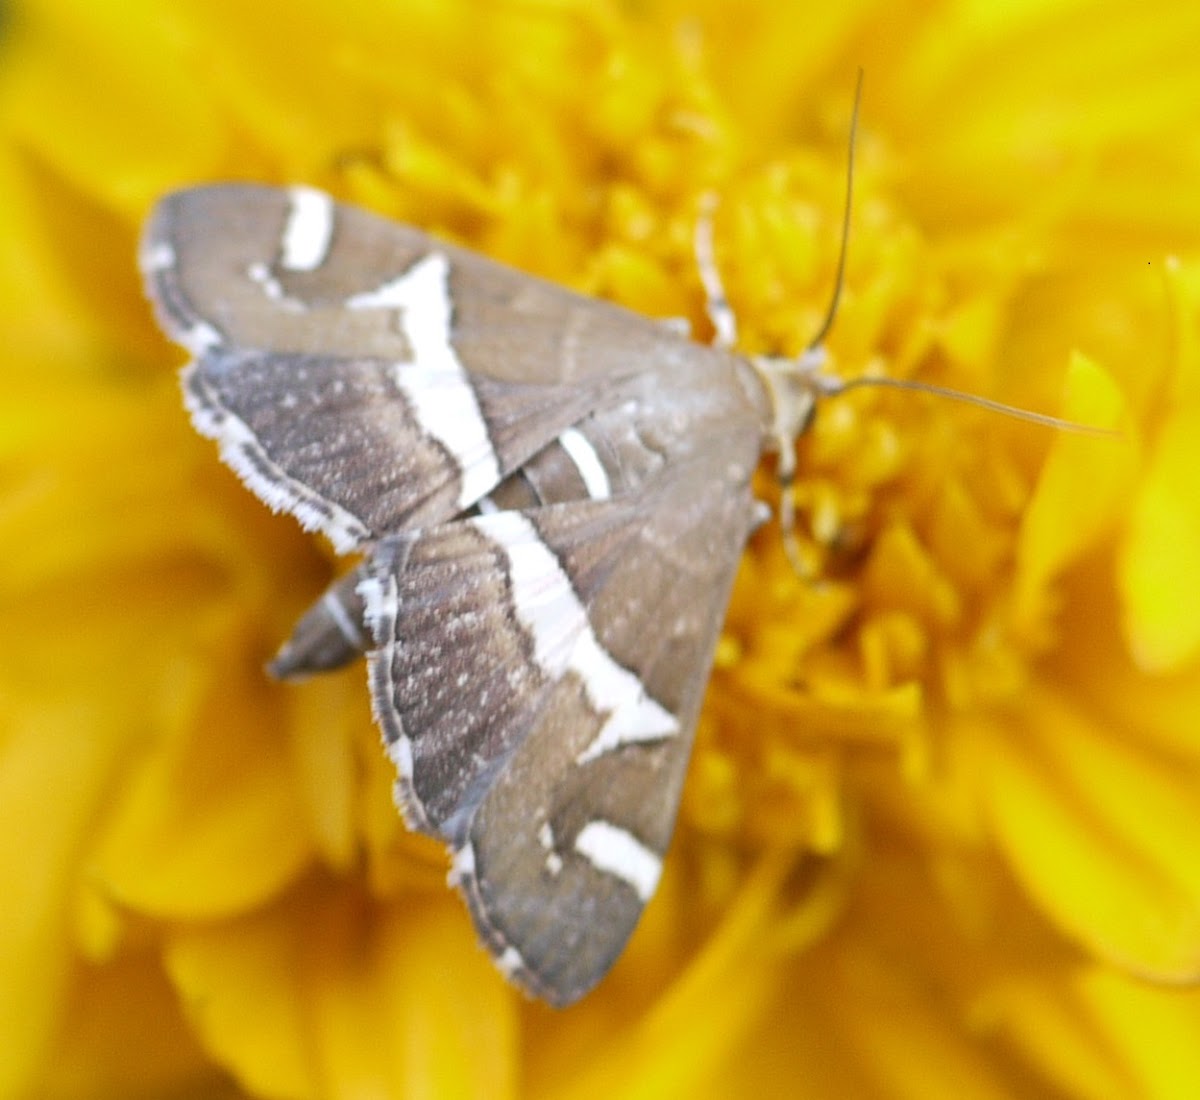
x,y
380,608
261,274
618,852
159,256
580,451
379,600
634,717
342,620
557,623
435,382
396,294
510,962
308,231
400,752
200,337
462,865
554,863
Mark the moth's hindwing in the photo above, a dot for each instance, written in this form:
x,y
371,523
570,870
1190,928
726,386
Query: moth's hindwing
x,y
551,493
538,679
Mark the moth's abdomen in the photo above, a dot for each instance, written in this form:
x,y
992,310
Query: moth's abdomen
x,y
330,634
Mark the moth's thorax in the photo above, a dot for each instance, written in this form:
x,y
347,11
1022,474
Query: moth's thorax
x,y
710,402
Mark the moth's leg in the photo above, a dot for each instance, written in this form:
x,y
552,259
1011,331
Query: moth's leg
x,y
716,305
724,324
762,515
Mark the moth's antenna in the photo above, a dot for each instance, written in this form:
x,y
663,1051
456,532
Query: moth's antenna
x,y
788,424
793,410
827,385
827,324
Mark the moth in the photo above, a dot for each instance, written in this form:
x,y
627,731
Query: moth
x,y
550,495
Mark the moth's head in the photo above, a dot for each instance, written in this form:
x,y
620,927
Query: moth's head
x,y
794,386
796,389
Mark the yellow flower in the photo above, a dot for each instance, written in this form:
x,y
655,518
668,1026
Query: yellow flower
x,y
938,834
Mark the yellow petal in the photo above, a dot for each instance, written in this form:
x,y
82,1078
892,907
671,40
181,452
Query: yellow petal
x,y
208,822
326,717
1150,1031
1162,549
903,576
1037,1015
1093,664
124,1035
331,996
674,1049
153,121
55,764
1081,494
1098,832
239,983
